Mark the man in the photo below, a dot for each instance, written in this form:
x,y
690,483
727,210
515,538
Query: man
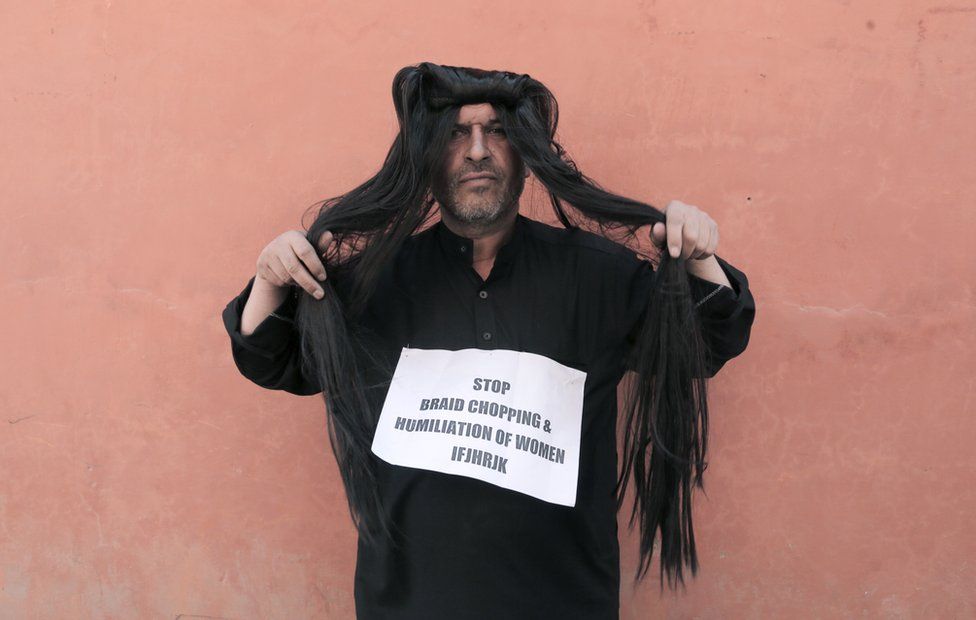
x,y
496,443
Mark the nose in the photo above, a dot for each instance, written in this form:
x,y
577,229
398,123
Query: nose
x,y
477,149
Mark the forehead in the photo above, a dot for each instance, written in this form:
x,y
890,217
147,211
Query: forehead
x,y
476,113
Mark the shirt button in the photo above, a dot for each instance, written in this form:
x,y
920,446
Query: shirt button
x,y
483,294
463,249
486,335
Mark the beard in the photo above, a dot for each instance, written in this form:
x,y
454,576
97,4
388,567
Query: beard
x,y
479,205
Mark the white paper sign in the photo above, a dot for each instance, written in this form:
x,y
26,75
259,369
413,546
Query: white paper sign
x,y
509,418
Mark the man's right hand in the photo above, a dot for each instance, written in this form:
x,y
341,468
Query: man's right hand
x,y
291,259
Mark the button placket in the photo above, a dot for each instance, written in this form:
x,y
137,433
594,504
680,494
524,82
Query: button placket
x,y
484,318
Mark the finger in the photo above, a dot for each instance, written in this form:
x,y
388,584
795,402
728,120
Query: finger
x,y
306,253
712,237
277,274
689,237
300,275
674,224
701,248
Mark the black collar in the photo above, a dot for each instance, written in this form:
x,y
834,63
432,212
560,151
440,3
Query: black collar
x,y
462,248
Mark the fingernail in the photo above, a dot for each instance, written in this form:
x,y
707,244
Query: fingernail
x,y
318,294
674,251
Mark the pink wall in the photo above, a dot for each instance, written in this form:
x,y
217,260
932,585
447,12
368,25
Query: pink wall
x,y
148,154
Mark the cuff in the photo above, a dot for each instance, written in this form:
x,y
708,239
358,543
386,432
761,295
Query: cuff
x,y
717,300
273,335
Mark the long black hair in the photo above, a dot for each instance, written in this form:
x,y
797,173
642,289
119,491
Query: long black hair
x,y
665,409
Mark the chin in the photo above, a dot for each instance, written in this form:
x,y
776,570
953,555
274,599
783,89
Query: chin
x,y
473,211
477,217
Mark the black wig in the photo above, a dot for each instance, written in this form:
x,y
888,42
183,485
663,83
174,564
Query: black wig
x,y
665,409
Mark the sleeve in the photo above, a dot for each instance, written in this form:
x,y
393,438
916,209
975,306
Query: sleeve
x,y
726,313
271,355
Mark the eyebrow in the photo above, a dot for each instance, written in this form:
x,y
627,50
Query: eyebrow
x,y
491,121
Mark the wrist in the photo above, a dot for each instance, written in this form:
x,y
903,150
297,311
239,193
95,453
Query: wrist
x,y
265,285
708,269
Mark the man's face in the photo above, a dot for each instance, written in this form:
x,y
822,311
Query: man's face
x,y
479,146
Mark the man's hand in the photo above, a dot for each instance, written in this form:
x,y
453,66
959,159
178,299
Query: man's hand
x,y
689,231
291,259
691,234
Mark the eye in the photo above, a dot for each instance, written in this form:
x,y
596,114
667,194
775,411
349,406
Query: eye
x,y
498,130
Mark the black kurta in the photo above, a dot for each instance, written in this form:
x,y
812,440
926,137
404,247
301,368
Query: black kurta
x,y
472,549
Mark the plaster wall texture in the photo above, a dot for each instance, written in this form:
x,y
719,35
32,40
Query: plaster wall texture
x,y
150,150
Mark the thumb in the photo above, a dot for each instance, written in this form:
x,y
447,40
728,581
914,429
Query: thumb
x,y
658,233
325,240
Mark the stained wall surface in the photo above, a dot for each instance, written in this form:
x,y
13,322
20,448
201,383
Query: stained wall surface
x,y
150,150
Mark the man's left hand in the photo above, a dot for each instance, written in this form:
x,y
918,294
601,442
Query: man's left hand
x,y
690,232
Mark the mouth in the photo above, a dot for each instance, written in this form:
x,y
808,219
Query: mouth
x,y
478,177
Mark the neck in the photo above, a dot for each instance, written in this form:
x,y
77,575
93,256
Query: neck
x,y
487,239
